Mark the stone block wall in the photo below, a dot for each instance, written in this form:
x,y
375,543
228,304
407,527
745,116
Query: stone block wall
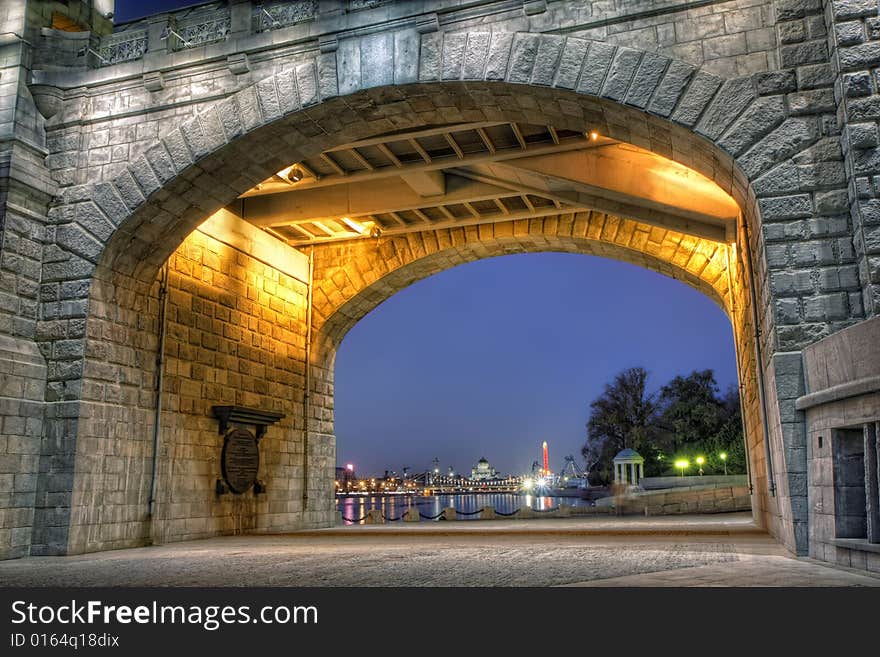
x,y
25,190
22,380
729,39
854,39
842,394
698,499
770,84
235,335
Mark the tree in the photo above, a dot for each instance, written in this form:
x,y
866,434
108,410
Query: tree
x,y
624,415
730,435
691,411
686,418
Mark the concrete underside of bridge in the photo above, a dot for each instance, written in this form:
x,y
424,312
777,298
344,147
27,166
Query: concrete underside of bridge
x,y
195,221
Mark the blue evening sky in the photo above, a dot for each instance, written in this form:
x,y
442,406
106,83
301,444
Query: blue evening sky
x,y
491,358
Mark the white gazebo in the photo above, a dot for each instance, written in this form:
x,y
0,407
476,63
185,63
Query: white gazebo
x,y
629,467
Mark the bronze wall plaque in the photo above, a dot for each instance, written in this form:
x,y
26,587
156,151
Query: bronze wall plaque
x,y
240,460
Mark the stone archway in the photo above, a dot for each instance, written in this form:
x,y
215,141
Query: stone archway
x,y
113,236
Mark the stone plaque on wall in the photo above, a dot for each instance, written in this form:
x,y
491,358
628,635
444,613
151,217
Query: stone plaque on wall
x,y
240,460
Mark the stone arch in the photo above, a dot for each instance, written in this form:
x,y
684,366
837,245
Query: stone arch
x,y
111,237
373,272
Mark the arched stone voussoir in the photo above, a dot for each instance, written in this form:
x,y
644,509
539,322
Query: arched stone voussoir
x,y
182,157
615,88
666,88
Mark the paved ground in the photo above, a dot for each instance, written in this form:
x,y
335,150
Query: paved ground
x,y
694,551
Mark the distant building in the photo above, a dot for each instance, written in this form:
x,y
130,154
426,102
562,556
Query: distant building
x,y
345,476
483,471
629,467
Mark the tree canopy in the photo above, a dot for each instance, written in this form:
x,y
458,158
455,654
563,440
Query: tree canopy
x,y
686,418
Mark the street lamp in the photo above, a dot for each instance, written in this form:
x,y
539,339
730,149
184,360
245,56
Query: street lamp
x,y
723,457
700,462
681,464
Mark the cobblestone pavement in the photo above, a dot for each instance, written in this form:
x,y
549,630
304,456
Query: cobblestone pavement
x,y
582,552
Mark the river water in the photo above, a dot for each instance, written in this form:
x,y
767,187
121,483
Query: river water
x,y
355,507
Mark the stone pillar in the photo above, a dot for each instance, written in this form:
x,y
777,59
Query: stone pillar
x,y
412,514
872,486
156,25
374,517
487,513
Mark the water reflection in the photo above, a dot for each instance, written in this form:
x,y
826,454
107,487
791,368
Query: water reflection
x,y
354,508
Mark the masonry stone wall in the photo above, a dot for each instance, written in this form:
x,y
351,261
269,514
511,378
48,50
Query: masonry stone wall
x,y
235,335
128,154
854,40
353,278
841,397
25,190
695,499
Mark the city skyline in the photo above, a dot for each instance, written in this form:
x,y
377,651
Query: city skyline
x,y
514,378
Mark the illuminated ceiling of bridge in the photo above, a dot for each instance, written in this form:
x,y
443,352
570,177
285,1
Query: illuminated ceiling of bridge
x,y
477,173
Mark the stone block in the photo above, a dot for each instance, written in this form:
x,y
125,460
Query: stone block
x,y
784,141
406,51
93,220
573,54
430,57
757,120
729,45
698,95
547,60
307,84
849,32
733,97
144,175
269,106
786,207
647,77
857,84
775,82
849,9
177,149
377,59
522,59
499,54
162,166
863,135
475,55
73,238
620,73
596,65
816,101
671,87
863,55
800,54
